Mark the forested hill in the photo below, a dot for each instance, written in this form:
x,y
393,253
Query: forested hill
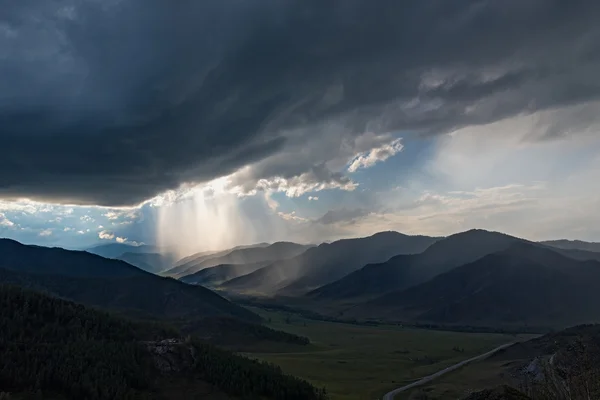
x,y
57,348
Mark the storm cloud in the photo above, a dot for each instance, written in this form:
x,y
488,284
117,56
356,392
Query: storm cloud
x,y
112,102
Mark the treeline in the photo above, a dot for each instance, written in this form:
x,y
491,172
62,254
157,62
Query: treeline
x,y
409,324
52,345
49,345
250,378
228,331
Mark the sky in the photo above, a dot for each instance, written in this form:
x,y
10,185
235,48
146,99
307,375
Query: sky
x,y
200,125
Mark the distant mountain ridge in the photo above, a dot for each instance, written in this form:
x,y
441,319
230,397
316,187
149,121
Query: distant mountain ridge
x,y
250,255
573,245
149,258
215,276
215,253
326,263
151,262
114,250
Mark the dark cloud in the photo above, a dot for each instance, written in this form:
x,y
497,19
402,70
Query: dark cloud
x,y
111,102
342,215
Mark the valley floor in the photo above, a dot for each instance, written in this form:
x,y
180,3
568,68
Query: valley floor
x,y
357,362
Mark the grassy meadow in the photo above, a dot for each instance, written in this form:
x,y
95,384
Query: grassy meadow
x,y
363,362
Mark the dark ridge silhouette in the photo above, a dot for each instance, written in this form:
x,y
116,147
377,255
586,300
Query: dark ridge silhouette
x,y
404,271
107,283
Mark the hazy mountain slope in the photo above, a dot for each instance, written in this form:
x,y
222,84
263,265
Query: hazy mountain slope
x,y
114,250
573,245
215,276
524,284
151,262
404,271
103,282
273,252
182,265
327,262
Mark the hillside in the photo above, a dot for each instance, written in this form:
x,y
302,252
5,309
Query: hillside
x,y
107,283
404,271
523,285
181,264
45,260
326,263
215,276
53,348
151,262
273,252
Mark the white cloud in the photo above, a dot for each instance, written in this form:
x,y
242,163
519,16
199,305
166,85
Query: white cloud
x,y
127,213
313,198
5,221
272,203
106,235
292,217
300,185
45,232
369,158
120,240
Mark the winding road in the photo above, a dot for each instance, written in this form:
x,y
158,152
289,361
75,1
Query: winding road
x,y
393,393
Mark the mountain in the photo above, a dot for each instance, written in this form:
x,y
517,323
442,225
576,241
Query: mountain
x,y
573,245
272,252
107,283
403,271
114,250
151,262
52,348
182,265
327,263
525,284
215,276
57,261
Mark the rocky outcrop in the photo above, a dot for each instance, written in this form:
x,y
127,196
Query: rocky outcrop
x,y
500,393
171,355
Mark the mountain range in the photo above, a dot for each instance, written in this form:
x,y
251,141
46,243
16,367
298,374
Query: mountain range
x,y
327,263
475,277
523,284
